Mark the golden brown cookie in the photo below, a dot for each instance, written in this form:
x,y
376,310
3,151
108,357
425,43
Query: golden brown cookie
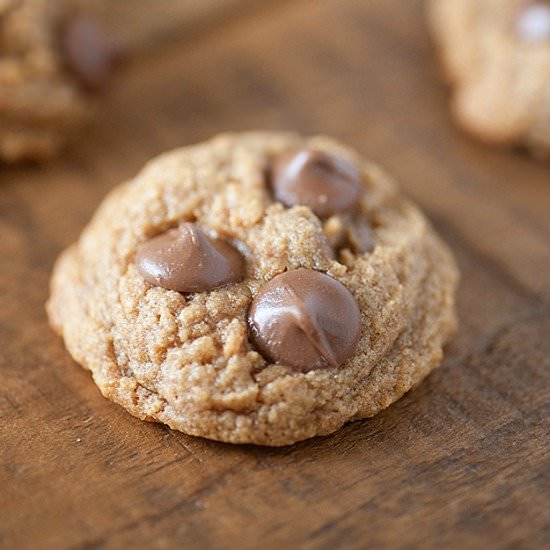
x,y
198,300
496,55
50,58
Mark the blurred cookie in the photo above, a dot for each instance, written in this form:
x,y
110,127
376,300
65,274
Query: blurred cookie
x,y
51,60
257,288
496,55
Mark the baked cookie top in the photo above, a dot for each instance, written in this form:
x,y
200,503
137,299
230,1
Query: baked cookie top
x,y
285,320
496,55
50,59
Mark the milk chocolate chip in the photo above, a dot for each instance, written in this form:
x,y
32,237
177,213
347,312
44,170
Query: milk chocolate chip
x,y
89,51
187,260
359,236
533,23
305,319
349,231
325,183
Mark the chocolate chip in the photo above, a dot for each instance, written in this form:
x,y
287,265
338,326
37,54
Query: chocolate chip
x,y
89,51
325,183
359,236
351,232
533,23
187,260
305,319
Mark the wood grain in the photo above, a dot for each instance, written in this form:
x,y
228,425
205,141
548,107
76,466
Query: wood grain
x,y
458,463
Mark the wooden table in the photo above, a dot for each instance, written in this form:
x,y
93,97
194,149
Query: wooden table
x,y
458,463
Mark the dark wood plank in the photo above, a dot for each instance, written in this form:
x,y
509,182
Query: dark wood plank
x,y
458,463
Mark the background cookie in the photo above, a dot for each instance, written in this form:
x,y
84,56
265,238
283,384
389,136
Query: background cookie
x,y
187,359
50,59
496,55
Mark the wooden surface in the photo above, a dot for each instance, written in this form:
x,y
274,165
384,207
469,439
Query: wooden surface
x,y
458,463
151,24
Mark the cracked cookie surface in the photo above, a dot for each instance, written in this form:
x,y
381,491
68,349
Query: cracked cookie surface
x,y
496,56
187,359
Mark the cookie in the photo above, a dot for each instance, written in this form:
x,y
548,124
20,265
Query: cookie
x,y
51,59
496,56
257,288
